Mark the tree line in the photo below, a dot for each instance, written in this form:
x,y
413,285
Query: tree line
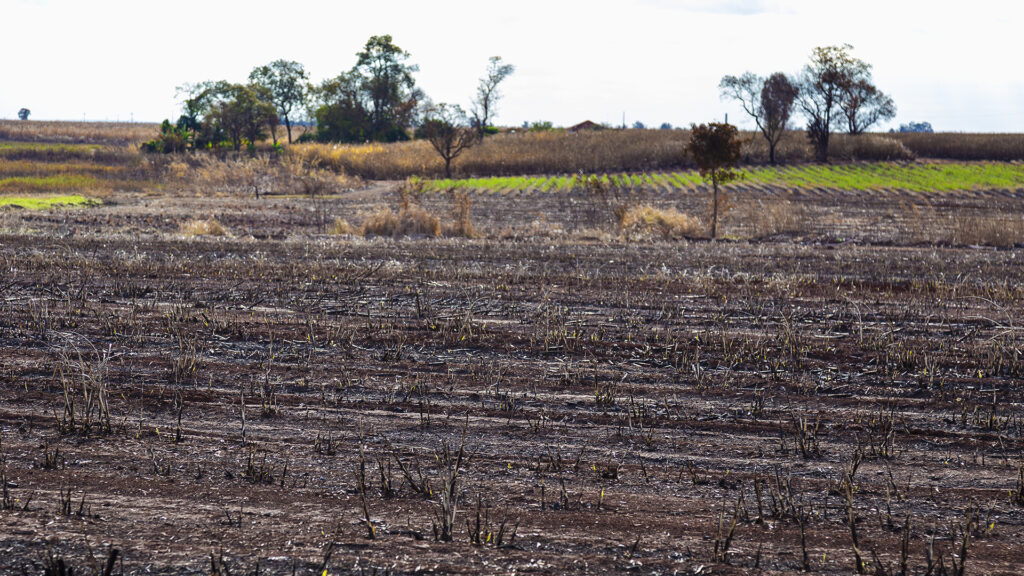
x,y
376,100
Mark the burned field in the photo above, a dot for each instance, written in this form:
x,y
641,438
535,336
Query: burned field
x,y
543,404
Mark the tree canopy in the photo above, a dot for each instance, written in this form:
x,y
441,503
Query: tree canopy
x,y
285,82
715,148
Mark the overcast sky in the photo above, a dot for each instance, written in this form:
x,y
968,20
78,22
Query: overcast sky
x,y
954,64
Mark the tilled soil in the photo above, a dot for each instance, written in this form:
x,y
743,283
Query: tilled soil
x,y
590,404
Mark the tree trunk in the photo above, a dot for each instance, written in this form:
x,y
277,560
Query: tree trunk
x,y
771,153
448,167
821,148
288,127
714,206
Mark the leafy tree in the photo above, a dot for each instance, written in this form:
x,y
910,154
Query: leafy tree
x,y
244,116
390,90
197,118
863,105
487,93
769,101
285,83
715,148
665,126
23,114
638,125
446,127
342,115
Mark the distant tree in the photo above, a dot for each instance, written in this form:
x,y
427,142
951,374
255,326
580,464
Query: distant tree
x,y
540,126
285,82
833,89
638,125
917,127
487,93
665,126
390,90
244,116
769,101
198,118
24,113
863,105
342,115
715,148
447,129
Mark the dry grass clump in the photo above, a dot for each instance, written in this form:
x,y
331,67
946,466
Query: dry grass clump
x,y
409,221
341,227
462,224
1001,231
762,219
868,148
645,219
198,227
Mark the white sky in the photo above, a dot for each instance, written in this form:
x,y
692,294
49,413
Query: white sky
x,y
955,64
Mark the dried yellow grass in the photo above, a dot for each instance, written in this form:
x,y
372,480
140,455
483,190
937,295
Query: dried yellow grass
x,y
462,224
761,219
1001,231
208,227
669,223
124,133
410,221
340,227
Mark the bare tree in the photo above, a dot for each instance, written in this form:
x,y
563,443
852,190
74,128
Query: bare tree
x,y
487,93
445,126
769,101
835,86
863,105
715,147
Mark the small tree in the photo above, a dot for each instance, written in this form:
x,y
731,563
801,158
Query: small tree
x,y
769,101
389,88
487,93
285,82
23,114
715,148
445,127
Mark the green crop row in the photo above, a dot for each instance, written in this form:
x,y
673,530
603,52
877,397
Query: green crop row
x,y
915,177
45,202
49,183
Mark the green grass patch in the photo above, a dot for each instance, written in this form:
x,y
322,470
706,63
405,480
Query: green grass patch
x,y
55,182
914,177
47,202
